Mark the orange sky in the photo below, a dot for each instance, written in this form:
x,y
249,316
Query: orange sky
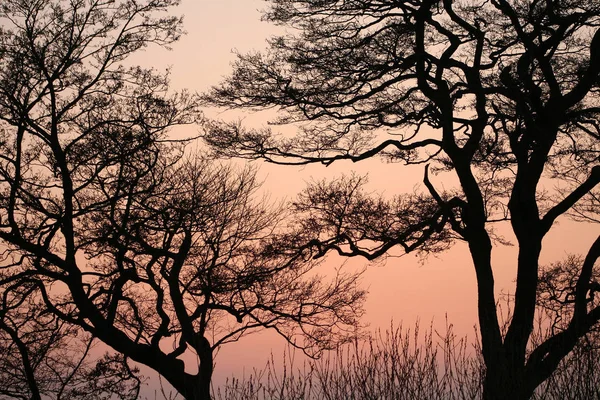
x,y
404,289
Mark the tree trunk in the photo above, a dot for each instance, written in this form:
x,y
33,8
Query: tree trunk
x,y
504,382
199,388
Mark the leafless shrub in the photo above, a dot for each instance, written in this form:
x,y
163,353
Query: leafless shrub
x,y
403,363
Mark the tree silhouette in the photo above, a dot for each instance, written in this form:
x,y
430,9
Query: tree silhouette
x,y
112,230
500,94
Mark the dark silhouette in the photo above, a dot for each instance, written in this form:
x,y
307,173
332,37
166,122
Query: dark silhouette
x,y
44,357
406,364
111,228
500,94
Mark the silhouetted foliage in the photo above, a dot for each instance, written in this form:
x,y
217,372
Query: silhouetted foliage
x,y
406,364
501,96
110,230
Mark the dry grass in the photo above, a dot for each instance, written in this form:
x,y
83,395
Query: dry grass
x,y
404,364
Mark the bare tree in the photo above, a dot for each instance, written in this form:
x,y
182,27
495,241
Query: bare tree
x,y
501,95
118,232
210,264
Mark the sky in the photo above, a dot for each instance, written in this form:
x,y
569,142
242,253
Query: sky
x,y
404,289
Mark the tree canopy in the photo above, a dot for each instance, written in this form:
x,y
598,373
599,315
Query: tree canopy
x,y
112,229
500,94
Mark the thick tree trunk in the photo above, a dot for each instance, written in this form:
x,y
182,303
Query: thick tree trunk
x,y
199,388
206,367
503,383
507,377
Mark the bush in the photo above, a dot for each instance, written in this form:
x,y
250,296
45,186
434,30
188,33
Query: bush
x,y
405,364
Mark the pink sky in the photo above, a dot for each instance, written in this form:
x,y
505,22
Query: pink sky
x,y
404,289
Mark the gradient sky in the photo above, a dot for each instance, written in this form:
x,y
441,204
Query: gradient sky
x,y
405,288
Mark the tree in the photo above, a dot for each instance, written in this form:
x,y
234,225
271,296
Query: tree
x,y
119,232
500,94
